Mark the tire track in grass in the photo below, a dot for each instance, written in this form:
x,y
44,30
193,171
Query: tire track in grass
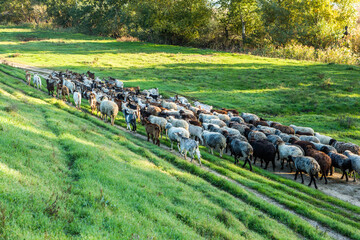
x,y
141,136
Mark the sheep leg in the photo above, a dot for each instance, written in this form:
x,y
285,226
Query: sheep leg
x,y
273,163
255,159
247,159
331,170
354,174
185,153
221,152
266,164
282,164
346,176
178,145
302,178
343,175
148,136
325,178
312,178
261,162
212,151
296,174
235,160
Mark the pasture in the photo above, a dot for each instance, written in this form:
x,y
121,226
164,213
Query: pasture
x,y
322,96
82,178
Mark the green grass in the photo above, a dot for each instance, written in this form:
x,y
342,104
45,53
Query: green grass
x,y
87,179
299,92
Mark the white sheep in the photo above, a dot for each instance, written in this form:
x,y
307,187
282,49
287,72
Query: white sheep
x,y
77,99
204,117
109,109
249,117
285,151
168,105
323,138
37,81
179,123
309,138
159,121
222,117
202,106
303,130
218,122
320,146
268,129
172,134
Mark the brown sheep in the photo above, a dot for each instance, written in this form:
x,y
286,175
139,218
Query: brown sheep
x,y
196,123
256,123
283,128
302,144
92,102
64,93
28,77
219,111
233,111
323,160
154,110
152,130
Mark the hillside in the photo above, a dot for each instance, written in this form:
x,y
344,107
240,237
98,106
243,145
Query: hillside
x,y
68,175
323,96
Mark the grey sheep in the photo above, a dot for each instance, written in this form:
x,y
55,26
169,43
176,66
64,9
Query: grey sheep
x,y
323,138
341,147
338,160
355,162
196,131
240,148
189,145
319,146
179,123
254,135
237,119
109,109
287,137
249,117
218,122
308,165
214,140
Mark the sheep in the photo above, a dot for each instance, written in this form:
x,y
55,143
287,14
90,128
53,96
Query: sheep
x,y
214,140
249,117
196,123
338,160
261,123
308,165
171,130
286,137
153,110
203,117
70,85
130,119
218,122
196,131
323,139
232,131
288,150
302,144
153,131
240,127
264,150
274,139
309,138
268,129
119,84
215,128
28,77
179,123
355,162
92,102
283,128
321,147
189,145
240,148
109,109
37,81
254,135
222,117
50,85
237,119
341,147
64,93
323,160
159,121
168,105
303,130
77,99
203,106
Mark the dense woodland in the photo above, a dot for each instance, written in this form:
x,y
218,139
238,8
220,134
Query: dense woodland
x,y
218,24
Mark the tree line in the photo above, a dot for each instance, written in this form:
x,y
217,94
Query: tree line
x,y
202,23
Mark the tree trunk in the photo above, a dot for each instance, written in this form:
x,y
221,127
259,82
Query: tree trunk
x,y
243,31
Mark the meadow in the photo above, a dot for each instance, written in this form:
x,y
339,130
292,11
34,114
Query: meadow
x,y
323,96
68,175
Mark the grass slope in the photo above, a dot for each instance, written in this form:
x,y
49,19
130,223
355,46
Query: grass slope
x,y
319,95
313,204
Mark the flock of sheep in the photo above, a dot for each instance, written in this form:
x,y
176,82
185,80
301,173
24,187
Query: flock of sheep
x,y
243,135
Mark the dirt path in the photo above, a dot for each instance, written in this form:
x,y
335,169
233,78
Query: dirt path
x,y
336,187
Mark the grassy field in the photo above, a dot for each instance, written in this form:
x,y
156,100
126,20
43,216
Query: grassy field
x,y
90,180
323,96
69,175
